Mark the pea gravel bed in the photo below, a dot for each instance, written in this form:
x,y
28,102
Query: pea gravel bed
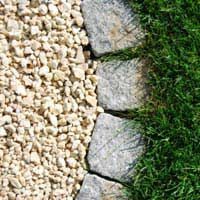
x,y
48,103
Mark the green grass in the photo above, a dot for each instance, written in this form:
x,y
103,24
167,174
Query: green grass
x,y
170,169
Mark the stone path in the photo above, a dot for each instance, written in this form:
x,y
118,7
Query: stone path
x,y
111,25
94,188
115,146
121,85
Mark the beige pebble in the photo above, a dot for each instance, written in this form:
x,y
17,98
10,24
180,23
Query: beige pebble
x,y
35,30
78,73
91,100
11,195
20,90
59,75
51,130
53,10
80,56
25,123
28,50
12,25
15,182
79,21
6,119
2,132
61,162
34,157
71,162
43,10
100,109
53,120
43,71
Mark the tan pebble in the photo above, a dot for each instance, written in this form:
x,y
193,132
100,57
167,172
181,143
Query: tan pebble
x,y
6,119
62,122
20,90
28,50
53,10
2,132
35,45
35,30
10,128
84,40
12,25
58,109
51,130
24,62
100,109
53,120
75,13
91,100
59,75
43,58
34,157
43,71
11,195
80,56
43,10
71,162
60,162
78,73
25,123
54,64
15,182
3,46
79,21
22,180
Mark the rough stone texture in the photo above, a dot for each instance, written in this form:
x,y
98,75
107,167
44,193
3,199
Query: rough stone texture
x,y
122,84
96,188
111,25
114,148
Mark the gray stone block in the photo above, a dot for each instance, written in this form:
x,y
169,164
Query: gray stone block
x,y
111,25
96,188
122,84
115,148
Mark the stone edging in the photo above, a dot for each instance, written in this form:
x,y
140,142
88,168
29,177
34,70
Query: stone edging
x,y
115,147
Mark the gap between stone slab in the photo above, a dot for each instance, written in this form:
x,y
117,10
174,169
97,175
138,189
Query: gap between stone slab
x,y
121,114
105,177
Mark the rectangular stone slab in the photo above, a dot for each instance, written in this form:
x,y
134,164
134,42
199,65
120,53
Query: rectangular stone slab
x,y
115,148
96,188
111,25
122,84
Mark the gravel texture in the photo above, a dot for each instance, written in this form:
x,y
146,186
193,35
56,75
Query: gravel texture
x,y
48,103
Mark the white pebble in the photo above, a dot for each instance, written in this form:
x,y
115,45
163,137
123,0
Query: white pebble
x,y
15,182
20,90
53,10
2,132
71,162
43,71
35,30
61,162
53,119
34,157
43,10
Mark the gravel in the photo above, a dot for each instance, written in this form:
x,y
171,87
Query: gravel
x,y
48,103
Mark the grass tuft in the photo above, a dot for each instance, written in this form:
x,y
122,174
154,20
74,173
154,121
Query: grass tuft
x,y
170,169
